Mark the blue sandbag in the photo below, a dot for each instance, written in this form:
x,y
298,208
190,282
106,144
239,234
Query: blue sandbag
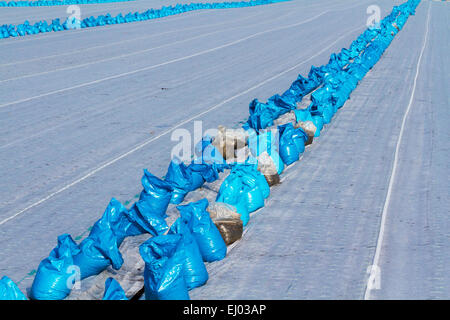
x,y
302,115
299,88
230,192
9,290
262,114
113,290
180,180
54,274
203,172
289,152
163,274
101,248
245,189
284,105
194,270
119,221
256,188
157,193
92,260
300,137
144,220
210,242
208,154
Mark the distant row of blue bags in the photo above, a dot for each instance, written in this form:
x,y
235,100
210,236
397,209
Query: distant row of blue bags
x,y
45,3
26,28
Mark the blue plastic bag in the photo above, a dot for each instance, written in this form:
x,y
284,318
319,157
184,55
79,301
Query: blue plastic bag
x,y
56,274
302,115
101,248
289,152
284,105
96,255
163,274
245,189
203,172
231,192
122,224
113,290
194,270
142,216
157,193
180,179
300,137
208,238
263,114
207,153
9,290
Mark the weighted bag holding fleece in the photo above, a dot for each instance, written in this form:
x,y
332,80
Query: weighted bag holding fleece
x,y
256,188
202,172
230,193
289,152
122,222
194,270
54,274
113,290
180,180
209,154
9,290
300,138
157,193
318,122
245,189
145,220
163,274
101,248
265,142
210,242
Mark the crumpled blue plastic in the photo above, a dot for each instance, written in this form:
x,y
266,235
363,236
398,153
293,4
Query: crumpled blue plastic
x,y
201,173
207,153
208,238
101,248
156,194
113,290
163,274
56,273
265,141
292,143
144,220
180,179
9,290
245,188
194,269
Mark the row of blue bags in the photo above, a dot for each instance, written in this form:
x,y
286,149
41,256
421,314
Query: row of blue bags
x,y
174,263
69,262
26,28
45,3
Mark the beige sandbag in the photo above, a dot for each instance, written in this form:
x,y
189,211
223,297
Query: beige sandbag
x,y
309,128
241,155
230,229
227,141
268,169
285,118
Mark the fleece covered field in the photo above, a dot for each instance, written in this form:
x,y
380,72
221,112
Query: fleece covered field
x,y
82,112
